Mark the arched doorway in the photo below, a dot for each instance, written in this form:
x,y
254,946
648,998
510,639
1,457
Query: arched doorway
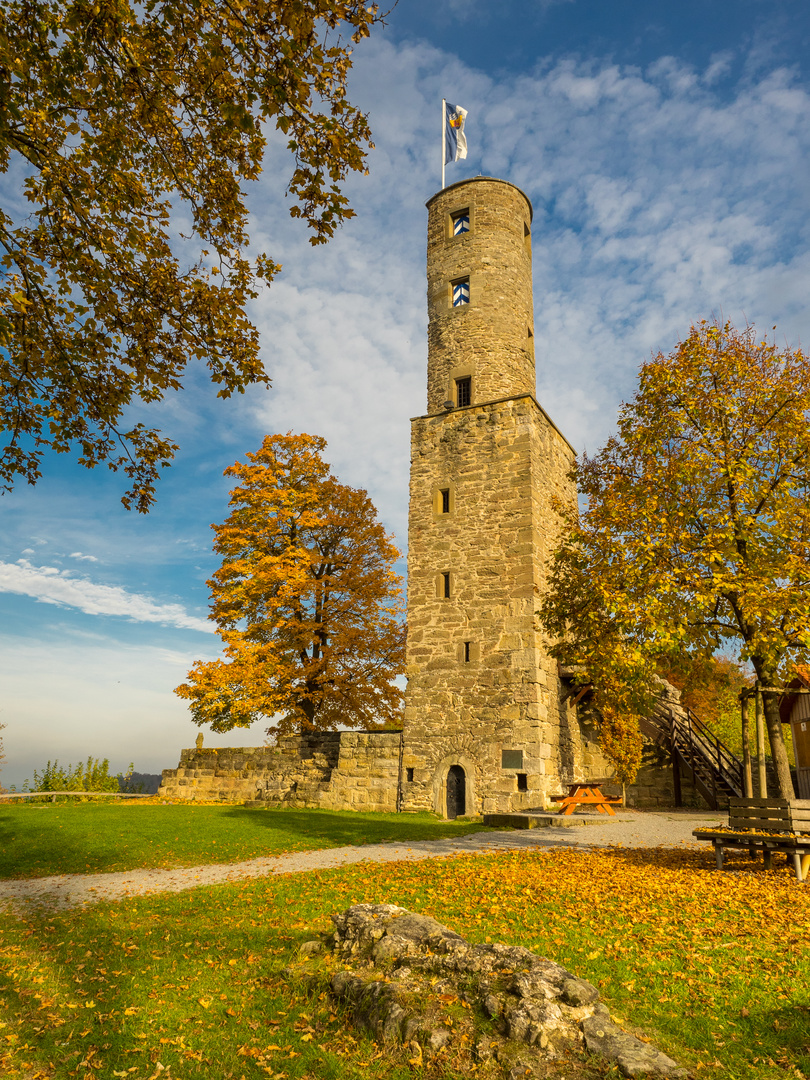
x,y
456,792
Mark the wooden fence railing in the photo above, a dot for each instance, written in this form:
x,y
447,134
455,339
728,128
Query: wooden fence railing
x,y
53,794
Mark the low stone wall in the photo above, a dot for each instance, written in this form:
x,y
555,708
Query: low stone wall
x,y
360,770
296,771
337,770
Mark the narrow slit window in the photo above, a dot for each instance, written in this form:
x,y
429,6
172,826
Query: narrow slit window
x,y
463,392
446,501
523,781
461,223
446,586
461,292
409,775
466,652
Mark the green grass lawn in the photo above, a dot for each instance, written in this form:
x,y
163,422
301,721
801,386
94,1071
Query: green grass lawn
x,y
715,967
78,838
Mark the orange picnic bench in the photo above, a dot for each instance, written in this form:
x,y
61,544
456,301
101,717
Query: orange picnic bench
x,y
586,793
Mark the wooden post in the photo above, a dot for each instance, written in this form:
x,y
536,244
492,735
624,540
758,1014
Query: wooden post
x,y
676,779
760,720
676,768
748,780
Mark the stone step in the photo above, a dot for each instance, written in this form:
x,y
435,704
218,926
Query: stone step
x,y
533,821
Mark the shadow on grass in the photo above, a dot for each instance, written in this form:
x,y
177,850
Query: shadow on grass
x,y
49,850
676,858
342,828
90,838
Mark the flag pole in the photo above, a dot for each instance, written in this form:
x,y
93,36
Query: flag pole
x,y
444,111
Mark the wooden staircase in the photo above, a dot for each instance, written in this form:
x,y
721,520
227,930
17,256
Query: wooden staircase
x,y
698,755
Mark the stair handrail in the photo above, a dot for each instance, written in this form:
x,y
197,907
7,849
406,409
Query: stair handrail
x,y
698,743
721,758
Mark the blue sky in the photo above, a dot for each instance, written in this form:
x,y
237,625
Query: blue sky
x,y
665,150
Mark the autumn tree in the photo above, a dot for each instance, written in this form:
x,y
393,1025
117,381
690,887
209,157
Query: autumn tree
x,y
132,130
695,534
306,601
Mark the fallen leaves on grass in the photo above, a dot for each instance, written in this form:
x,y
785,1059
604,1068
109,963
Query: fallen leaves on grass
x,y
700,960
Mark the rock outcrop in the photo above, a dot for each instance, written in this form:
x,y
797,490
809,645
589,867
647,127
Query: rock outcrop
x,y
522,1011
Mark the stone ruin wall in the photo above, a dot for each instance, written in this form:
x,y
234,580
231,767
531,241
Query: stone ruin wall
x,y
336,770
367,774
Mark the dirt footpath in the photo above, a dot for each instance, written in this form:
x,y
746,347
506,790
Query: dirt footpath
x,y
629,828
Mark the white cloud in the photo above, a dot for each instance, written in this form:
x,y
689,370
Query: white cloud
x,y
658,201
719,66
50,585
78,555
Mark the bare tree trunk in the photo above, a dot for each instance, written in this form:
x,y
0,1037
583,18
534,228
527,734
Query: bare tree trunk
x,y
770,702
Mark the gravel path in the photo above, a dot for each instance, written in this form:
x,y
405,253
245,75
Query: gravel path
x,y
647,829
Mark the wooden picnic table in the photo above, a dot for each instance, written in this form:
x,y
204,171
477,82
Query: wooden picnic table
x,y
586,793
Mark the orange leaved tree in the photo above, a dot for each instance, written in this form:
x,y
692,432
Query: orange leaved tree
x,y
134,131
696,530
306,601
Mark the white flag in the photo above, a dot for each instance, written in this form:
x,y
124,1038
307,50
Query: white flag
x,y
455,141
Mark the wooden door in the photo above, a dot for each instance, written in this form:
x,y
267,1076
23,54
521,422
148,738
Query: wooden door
x,y
456,792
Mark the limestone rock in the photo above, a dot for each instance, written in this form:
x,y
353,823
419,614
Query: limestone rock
x,y
539,1010
311,948
634,1057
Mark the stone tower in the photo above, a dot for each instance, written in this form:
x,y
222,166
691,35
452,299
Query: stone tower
x,y
485,727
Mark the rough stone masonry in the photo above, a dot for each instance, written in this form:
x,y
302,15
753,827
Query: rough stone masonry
x,y
523,1011
487,728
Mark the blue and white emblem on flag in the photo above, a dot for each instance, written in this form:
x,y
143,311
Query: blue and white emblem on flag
x,y
455,141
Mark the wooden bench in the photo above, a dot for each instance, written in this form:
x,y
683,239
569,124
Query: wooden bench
x,y
586,793
766,825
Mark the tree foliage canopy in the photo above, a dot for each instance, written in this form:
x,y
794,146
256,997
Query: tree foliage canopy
x,y
696,528
124,123
306,601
